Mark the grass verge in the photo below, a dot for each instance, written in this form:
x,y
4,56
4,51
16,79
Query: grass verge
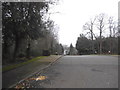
x,y
10,67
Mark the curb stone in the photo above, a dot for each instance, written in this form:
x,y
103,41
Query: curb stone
x,y
36,71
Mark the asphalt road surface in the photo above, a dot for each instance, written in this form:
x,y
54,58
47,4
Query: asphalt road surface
x,y
83,72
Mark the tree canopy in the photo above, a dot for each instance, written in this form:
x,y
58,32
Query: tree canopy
x,y
25,21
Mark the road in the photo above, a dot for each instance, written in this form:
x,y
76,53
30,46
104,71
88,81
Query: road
x,y
86,71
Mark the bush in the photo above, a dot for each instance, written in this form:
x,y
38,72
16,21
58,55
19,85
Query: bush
x,y
46,53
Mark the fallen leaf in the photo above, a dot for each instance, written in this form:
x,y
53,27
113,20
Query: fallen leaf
x,y
41,78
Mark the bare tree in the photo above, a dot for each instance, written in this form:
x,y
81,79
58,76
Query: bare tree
x,y
89,26
111,27
110,22
113,31
101,28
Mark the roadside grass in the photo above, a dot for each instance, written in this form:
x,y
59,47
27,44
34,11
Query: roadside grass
x,y
10,67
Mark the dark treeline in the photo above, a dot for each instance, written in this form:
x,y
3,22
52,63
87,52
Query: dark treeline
x,y
84,45
99,44
26,32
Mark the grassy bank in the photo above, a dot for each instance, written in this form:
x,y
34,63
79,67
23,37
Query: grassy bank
x,y
10,67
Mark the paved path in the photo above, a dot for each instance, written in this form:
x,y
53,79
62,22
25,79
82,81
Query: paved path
x,y
82,72
13,76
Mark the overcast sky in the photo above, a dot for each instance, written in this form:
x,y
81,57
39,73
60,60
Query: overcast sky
x,y
75,13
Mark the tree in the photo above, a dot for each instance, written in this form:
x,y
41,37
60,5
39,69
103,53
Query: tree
x,y
60,49
83,45
89,26
22,20
51,35
101,28
112,29
71,49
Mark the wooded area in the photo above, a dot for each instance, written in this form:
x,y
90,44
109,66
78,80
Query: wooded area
x,y
27,31
101,44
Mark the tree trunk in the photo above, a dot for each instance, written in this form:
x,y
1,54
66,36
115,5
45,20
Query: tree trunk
x,y
16,48
28,51
5,51
100,41
100,47
93,50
